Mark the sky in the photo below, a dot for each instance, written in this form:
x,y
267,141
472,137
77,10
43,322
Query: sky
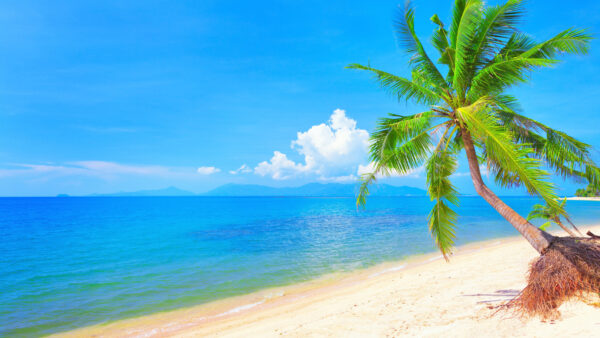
x,y
107,96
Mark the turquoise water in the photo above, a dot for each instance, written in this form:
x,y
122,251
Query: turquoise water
x,y
73,262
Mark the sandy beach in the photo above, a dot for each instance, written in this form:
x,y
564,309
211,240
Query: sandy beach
x,y
423,296
583,198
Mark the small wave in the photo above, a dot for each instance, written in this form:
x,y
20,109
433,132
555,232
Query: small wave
x,y
178,326
435,258
396,268
274,295
239,309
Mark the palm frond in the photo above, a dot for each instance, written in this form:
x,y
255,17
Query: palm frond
x,y
408,39
570,41
440,41
552,214
503,73
484,33
399,144
458,11
545,226
365,181
511,162
505,102
466,31
403,88
442,219
563,153
517,44
496,27
539,211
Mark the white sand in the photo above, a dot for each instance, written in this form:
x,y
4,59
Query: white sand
x,y
583,198
426,297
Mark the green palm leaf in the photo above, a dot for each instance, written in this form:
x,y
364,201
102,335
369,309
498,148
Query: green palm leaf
x,y
513,164
442,219
465,34
493,28
568,156
503,73
402,88
572,41
517,44
409,40
400,144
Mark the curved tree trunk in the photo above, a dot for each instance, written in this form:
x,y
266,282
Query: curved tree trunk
x,y
573,225
560,224
539,239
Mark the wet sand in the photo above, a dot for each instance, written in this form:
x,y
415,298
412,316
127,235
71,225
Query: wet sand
x,y
423,296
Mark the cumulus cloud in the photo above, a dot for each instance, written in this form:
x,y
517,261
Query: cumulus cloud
x,y
332,151
207,170
241,170
366,169
279,167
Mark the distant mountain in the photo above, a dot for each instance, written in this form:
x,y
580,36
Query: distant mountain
x,y
312,190
307,190
170,191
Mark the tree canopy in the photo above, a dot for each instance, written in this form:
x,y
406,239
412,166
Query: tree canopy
x,y
480,55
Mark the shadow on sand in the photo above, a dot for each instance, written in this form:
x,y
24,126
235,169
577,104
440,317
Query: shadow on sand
x,y
498,296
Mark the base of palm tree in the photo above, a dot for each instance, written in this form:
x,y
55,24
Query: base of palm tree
x,y
568,269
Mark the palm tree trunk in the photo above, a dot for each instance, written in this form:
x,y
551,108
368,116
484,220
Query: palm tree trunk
x,y
557,221
573,225
539,239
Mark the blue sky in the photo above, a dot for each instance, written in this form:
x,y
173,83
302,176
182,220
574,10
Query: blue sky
x,y
104,96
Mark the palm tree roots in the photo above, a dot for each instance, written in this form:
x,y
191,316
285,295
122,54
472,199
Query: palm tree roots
x,y
569,269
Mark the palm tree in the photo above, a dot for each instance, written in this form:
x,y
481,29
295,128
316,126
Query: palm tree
x,y
482,55
552,215
589,191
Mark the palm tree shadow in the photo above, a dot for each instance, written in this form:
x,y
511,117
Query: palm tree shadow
x,y
497,296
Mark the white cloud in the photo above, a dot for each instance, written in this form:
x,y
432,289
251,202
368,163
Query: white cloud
x,y
483,169
93,168
333,147
40,169
331,151
241,170
101,169
117,168
207,170
279,167
366,169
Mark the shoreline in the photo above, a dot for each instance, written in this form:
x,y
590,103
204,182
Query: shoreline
x,y
576,198
213,317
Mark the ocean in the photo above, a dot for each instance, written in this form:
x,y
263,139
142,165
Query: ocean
x,y
77,261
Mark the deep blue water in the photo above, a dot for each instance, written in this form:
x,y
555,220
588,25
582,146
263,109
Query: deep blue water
x,y
72,262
